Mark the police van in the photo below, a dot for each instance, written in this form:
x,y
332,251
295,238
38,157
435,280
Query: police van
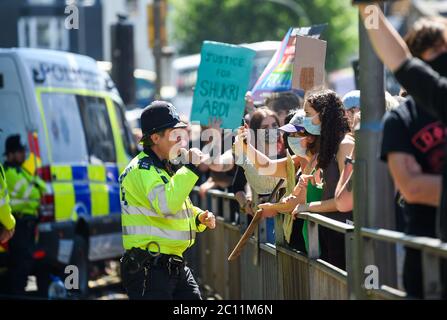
x,y
71,117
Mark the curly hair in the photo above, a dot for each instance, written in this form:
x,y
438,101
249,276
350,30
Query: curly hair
x,y
426,33
334,123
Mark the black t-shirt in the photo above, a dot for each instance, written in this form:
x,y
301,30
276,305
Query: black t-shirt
x,y
429,90
409,129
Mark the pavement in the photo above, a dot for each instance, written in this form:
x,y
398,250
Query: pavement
x,y
108,286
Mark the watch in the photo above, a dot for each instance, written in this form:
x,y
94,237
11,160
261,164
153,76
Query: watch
x,y
349,160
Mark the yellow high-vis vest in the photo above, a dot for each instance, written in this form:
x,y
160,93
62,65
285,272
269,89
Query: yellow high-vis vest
x,y
25,190
6,218
156,207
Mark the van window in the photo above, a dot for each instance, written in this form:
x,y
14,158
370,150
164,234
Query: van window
x,y
126,134
98,131
12,119
64,127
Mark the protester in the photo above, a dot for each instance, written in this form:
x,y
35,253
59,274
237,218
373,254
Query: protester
x,y
426,85
262,121
283,103
351,103
413,146
325,116
218,168
344,198
304,145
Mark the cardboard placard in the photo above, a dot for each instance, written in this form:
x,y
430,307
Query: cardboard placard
x,y
277,76
309,62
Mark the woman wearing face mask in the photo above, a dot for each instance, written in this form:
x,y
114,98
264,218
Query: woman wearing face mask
x,y
304,146
324,117
325,114
264,125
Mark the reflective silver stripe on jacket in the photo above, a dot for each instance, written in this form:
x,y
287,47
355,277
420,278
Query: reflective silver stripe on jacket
x,y
19,185
21,201
28,191
157,232
2,201
149,213
160,193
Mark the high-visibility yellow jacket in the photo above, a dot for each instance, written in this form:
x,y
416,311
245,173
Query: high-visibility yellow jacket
x,y
25,190
6,218
156,206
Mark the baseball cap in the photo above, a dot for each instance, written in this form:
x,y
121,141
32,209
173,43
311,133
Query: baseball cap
x,y
351,99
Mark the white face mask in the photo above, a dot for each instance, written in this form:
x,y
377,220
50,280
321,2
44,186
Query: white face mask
x,y
295,145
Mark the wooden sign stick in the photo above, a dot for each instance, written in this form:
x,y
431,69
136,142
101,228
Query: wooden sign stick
x,y
252,226
247,234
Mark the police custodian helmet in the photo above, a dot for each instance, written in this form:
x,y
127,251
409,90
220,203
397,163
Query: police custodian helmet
x,y
159,115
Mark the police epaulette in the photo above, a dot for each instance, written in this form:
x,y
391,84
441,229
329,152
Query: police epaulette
x,y
145,163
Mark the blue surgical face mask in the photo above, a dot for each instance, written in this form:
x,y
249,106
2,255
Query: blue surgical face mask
x,y
295,145
314,129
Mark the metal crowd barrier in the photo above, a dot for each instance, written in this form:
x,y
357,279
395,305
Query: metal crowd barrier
x,y
432,251
276,271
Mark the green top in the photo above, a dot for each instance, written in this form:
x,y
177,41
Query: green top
x,y
314,193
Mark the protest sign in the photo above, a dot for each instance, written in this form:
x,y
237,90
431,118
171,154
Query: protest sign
x,y
277,76
222,82
308,69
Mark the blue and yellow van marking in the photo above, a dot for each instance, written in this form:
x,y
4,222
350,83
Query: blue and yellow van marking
x,y
92,190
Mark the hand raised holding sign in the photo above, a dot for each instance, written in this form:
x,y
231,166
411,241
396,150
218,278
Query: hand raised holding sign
x,y
215,123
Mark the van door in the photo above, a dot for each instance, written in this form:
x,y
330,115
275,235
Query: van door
x,y
13,119
67,153
84,172
101,145
82,154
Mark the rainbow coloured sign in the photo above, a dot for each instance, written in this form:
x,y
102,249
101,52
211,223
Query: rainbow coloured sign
x,y
277,76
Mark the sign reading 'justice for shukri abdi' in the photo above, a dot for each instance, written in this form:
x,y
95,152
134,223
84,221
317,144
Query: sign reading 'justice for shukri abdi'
x,y
222,82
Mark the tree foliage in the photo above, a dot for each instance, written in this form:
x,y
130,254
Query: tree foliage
x,y
239,21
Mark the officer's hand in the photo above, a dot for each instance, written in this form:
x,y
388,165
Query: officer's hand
x,y
6,235
208,219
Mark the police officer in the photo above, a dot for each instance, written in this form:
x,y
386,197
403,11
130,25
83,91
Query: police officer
x,y
158,219
7,225
25,192
7,221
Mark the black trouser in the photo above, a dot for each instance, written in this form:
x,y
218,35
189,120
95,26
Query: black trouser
x,y
157,280
21,248
444,278
413,274
332,247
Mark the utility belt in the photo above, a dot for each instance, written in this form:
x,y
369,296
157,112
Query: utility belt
x,y
136,260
